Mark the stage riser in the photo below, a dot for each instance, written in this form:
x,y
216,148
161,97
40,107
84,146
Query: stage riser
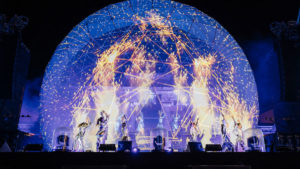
x,y
200,160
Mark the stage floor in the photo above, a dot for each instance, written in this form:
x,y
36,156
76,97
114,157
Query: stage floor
x,y
203,160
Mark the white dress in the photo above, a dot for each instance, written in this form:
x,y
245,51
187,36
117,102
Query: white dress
x,y
239,144
194,134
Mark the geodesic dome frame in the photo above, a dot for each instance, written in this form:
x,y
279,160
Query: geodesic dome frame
x,y
120,17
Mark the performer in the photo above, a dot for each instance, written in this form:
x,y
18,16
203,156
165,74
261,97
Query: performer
x,y
140,122
124,129
161,118
194,131
239,144
102,123
175,123
78,144
227,145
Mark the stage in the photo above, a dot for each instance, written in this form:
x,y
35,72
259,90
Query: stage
x,y
159,83
203,160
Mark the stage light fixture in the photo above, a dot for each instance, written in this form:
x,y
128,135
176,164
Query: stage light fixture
x,y
158,143
135,150
169,150
195,147
124,146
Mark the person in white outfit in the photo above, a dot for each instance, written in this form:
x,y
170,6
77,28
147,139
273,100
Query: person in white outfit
x,y
194,131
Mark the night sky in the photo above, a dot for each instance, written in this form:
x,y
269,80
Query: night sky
x,y
51,21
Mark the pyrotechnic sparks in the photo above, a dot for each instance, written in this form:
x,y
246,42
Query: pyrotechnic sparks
x,y
155,65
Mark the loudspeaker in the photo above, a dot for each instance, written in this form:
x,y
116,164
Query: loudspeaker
x,y
124,146
107,147
33,148
195,147
283,149
213,147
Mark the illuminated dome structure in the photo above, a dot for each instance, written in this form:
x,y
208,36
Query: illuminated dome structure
x,y
160,63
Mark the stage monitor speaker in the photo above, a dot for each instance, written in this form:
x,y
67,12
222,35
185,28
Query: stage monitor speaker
x,y
33,148
124,146
195,147
107,147
283,149
213,147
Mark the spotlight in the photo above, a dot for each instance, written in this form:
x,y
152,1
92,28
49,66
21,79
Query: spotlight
x,y
135,150
169,150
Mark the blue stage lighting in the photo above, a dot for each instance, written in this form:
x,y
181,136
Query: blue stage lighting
x,y
135,150
169,150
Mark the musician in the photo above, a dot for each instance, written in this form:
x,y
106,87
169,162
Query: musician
x,y
79,141
227,145
160,120
175,122
102,124
124,130
140,122
239,144
194,131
